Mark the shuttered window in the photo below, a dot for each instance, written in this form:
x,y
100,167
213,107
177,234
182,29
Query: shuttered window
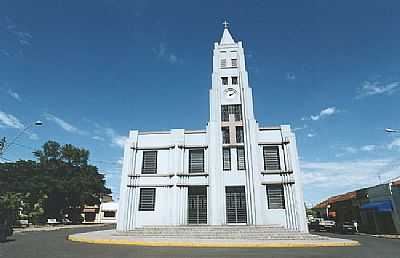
x,y
149,165
235,109
196,161
147,199
275,197
271,158
224,80
234,62
225,135
239,134
226,153
241,160
223,63
234,80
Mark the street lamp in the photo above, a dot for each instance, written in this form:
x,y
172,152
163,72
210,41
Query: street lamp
x,y
327,210
3,143
391,130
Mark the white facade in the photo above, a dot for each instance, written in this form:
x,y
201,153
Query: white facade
x,y
234,172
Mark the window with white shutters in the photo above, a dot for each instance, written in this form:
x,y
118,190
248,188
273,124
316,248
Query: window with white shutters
x,y
226,153
241,160
275,197
235,109
147,199
196,161
149,165
271,158
225,135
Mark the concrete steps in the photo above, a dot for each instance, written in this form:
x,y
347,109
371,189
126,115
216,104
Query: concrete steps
x,y
220,232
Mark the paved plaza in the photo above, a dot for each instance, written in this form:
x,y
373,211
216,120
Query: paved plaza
x,y
55,244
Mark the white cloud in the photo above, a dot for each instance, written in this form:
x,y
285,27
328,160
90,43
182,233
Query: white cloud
x,y
310,135
8,120
14,94
324,113
345,149
300,128
5,52
33,136
350,149
120,161
350,174
98,138
162,52
116,140
63,124
368,147
377,88
394,144
290,76
172,58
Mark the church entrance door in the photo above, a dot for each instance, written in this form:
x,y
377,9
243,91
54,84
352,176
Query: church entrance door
x,y
197,205
235,204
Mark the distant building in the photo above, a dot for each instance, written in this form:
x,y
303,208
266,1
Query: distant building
x,y
376,209
106,212
234,172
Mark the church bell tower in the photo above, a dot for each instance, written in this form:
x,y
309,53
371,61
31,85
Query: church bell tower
x,y
232,130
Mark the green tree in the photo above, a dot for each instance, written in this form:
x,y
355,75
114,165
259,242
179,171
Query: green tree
x,y
61,182
10,204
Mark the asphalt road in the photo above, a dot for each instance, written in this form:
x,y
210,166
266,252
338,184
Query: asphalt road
x,y
54,244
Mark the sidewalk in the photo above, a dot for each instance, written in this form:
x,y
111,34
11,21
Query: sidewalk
x,y
115,238
34,228
381,236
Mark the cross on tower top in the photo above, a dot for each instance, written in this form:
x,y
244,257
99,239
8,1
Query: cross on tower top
x,y
226,24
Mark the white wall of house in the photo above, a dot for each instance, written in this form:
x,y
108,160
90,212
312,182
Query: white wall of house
x,y
172,178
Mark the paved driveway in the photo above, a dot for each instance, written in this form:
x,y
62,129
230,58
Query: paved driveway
x,y
54,244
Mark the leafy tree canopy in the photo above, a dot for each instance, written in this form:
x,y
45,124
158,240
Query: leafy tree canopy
x,y
60,182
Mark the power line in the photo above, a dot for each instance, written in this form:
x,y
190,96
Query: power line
x,y
8,160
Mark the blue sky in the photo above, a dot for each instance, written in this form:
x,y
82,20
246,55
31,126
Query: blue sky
x,y
93,70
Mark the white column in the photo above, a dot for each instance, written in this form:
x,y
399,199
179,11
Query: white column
x,y
124,213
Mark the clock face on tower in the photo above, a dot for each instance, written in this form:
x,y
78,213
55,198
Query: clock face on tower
x,y
230,93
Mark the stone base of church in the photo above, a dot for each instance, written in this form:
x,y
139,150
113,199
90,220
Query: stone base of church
x,y
211,236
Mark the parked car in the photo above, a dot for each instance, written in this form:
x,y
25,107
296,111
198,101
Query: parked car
x,y
326,225
346,228
313,223
5,231
66,221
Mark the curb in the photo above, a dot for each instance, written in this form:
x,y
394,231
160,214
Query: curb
x,y
212,244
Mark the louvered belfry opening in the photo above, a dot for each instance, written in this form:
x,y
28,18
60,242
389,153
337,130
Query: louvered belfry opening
x,y
271,158
241,160
197,205
149,165
275,197
235,109
196,161
236,204
147,199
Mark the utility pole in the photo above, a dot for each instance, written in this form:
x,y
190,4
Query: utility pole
x,y
2,145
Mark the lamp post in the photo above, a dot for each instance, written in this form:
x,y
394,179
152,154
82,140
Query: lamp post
x,y
391,130
5,145
327,210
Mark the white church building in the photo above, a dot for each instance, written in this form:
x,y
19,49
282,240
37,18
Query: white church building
x,y
232,173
